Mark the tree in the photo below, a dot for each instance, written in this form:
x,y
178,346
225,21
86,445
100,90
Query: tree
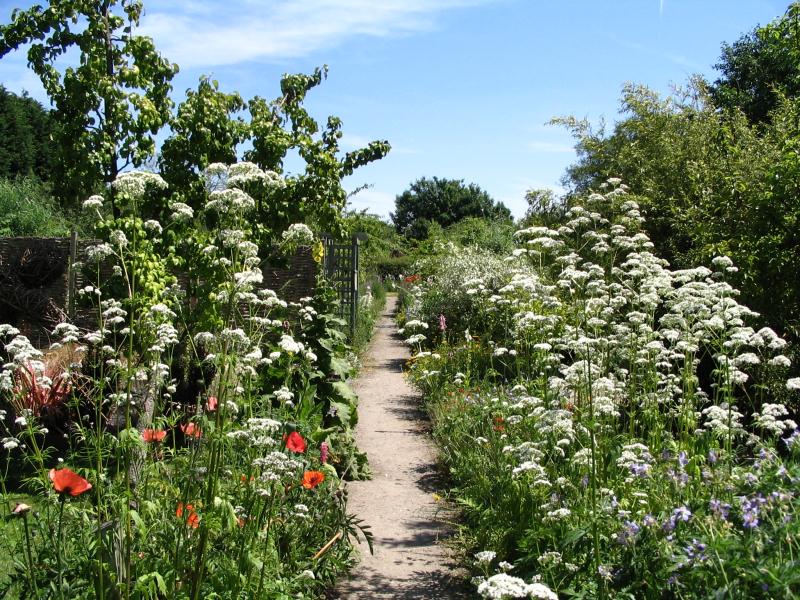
x,y
544,208
109,107
759,67
710,183
25,130
210,125
444,202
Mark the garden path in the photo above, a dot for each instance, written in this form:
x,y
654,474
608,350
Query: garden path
x,y
398,503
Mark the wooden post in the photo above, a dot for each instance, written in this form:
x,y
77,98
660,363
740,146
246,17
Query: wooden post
x,y
71,276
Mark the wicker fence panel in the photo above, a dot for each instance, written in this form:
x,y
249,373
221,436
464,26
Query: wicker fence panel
x,y
38,287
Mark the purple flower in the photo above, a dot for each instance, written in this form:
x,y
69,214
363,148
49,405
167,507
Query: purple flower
x,y
792,439
720,509
695,552
712,457
750,511
682,460
679,514
628,533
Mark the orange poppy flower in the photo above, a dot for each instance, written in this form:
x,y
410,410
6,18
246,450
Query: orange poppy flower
x,y
69,482
211,404
296,443
312,479
153,435
191,430
499,424
192,518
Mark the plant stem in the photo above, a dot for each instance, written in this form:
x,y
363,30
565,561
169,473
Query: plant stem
x,y
58,548
30,556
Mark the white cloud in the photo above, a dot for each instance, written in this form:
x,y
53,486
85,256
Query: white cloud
x,y
374,201
202,33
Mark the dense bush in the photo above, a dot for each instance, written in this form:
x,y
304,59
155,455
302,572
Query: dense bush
x,y
28,209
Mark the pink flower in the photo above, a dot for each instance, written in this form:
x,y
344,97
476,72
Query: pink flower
x,y
323,452
211,404
442,323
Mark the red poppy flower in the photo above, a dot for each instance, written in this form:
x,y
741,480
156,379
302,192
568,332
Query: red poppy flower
x,y
191,430
69,482
211,404
153,435
312,479
296,443
192,518
499,424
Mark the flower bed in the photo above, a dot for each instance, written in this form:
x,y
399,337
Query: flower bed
x,y
193,444
614,428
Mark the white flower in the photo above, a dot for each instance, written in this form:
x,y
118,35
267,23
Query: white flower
x,y
181,211
251,277
793,383
93,202
771,419
288,344
135,183
503,586
284,395
232,200
486,556
298,234
153,225
780,361
98,253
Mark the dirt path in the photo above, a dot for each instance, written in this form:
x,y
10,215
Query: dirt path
x,y
398,502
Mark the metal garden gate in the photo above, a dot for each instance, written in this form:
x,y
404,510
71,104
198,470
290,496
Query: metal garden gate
x,y
341,271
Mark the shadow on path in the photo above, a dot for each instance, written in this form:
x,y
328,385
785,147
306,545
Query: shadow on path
x,y
399,502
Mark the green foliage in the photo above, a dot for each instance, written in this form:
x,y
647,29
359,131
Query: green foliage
x,y
109,108
494,235
443,202
202,132
760,67
709,183
381,250
210,126
25,130
28,209
544,208
370,307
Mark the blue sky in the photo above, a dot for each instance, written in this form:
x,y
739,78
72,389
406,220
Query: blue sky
x,y
460,88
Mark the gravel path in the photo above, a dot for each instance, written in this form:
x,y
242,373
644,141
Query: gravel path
x,y
398,502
